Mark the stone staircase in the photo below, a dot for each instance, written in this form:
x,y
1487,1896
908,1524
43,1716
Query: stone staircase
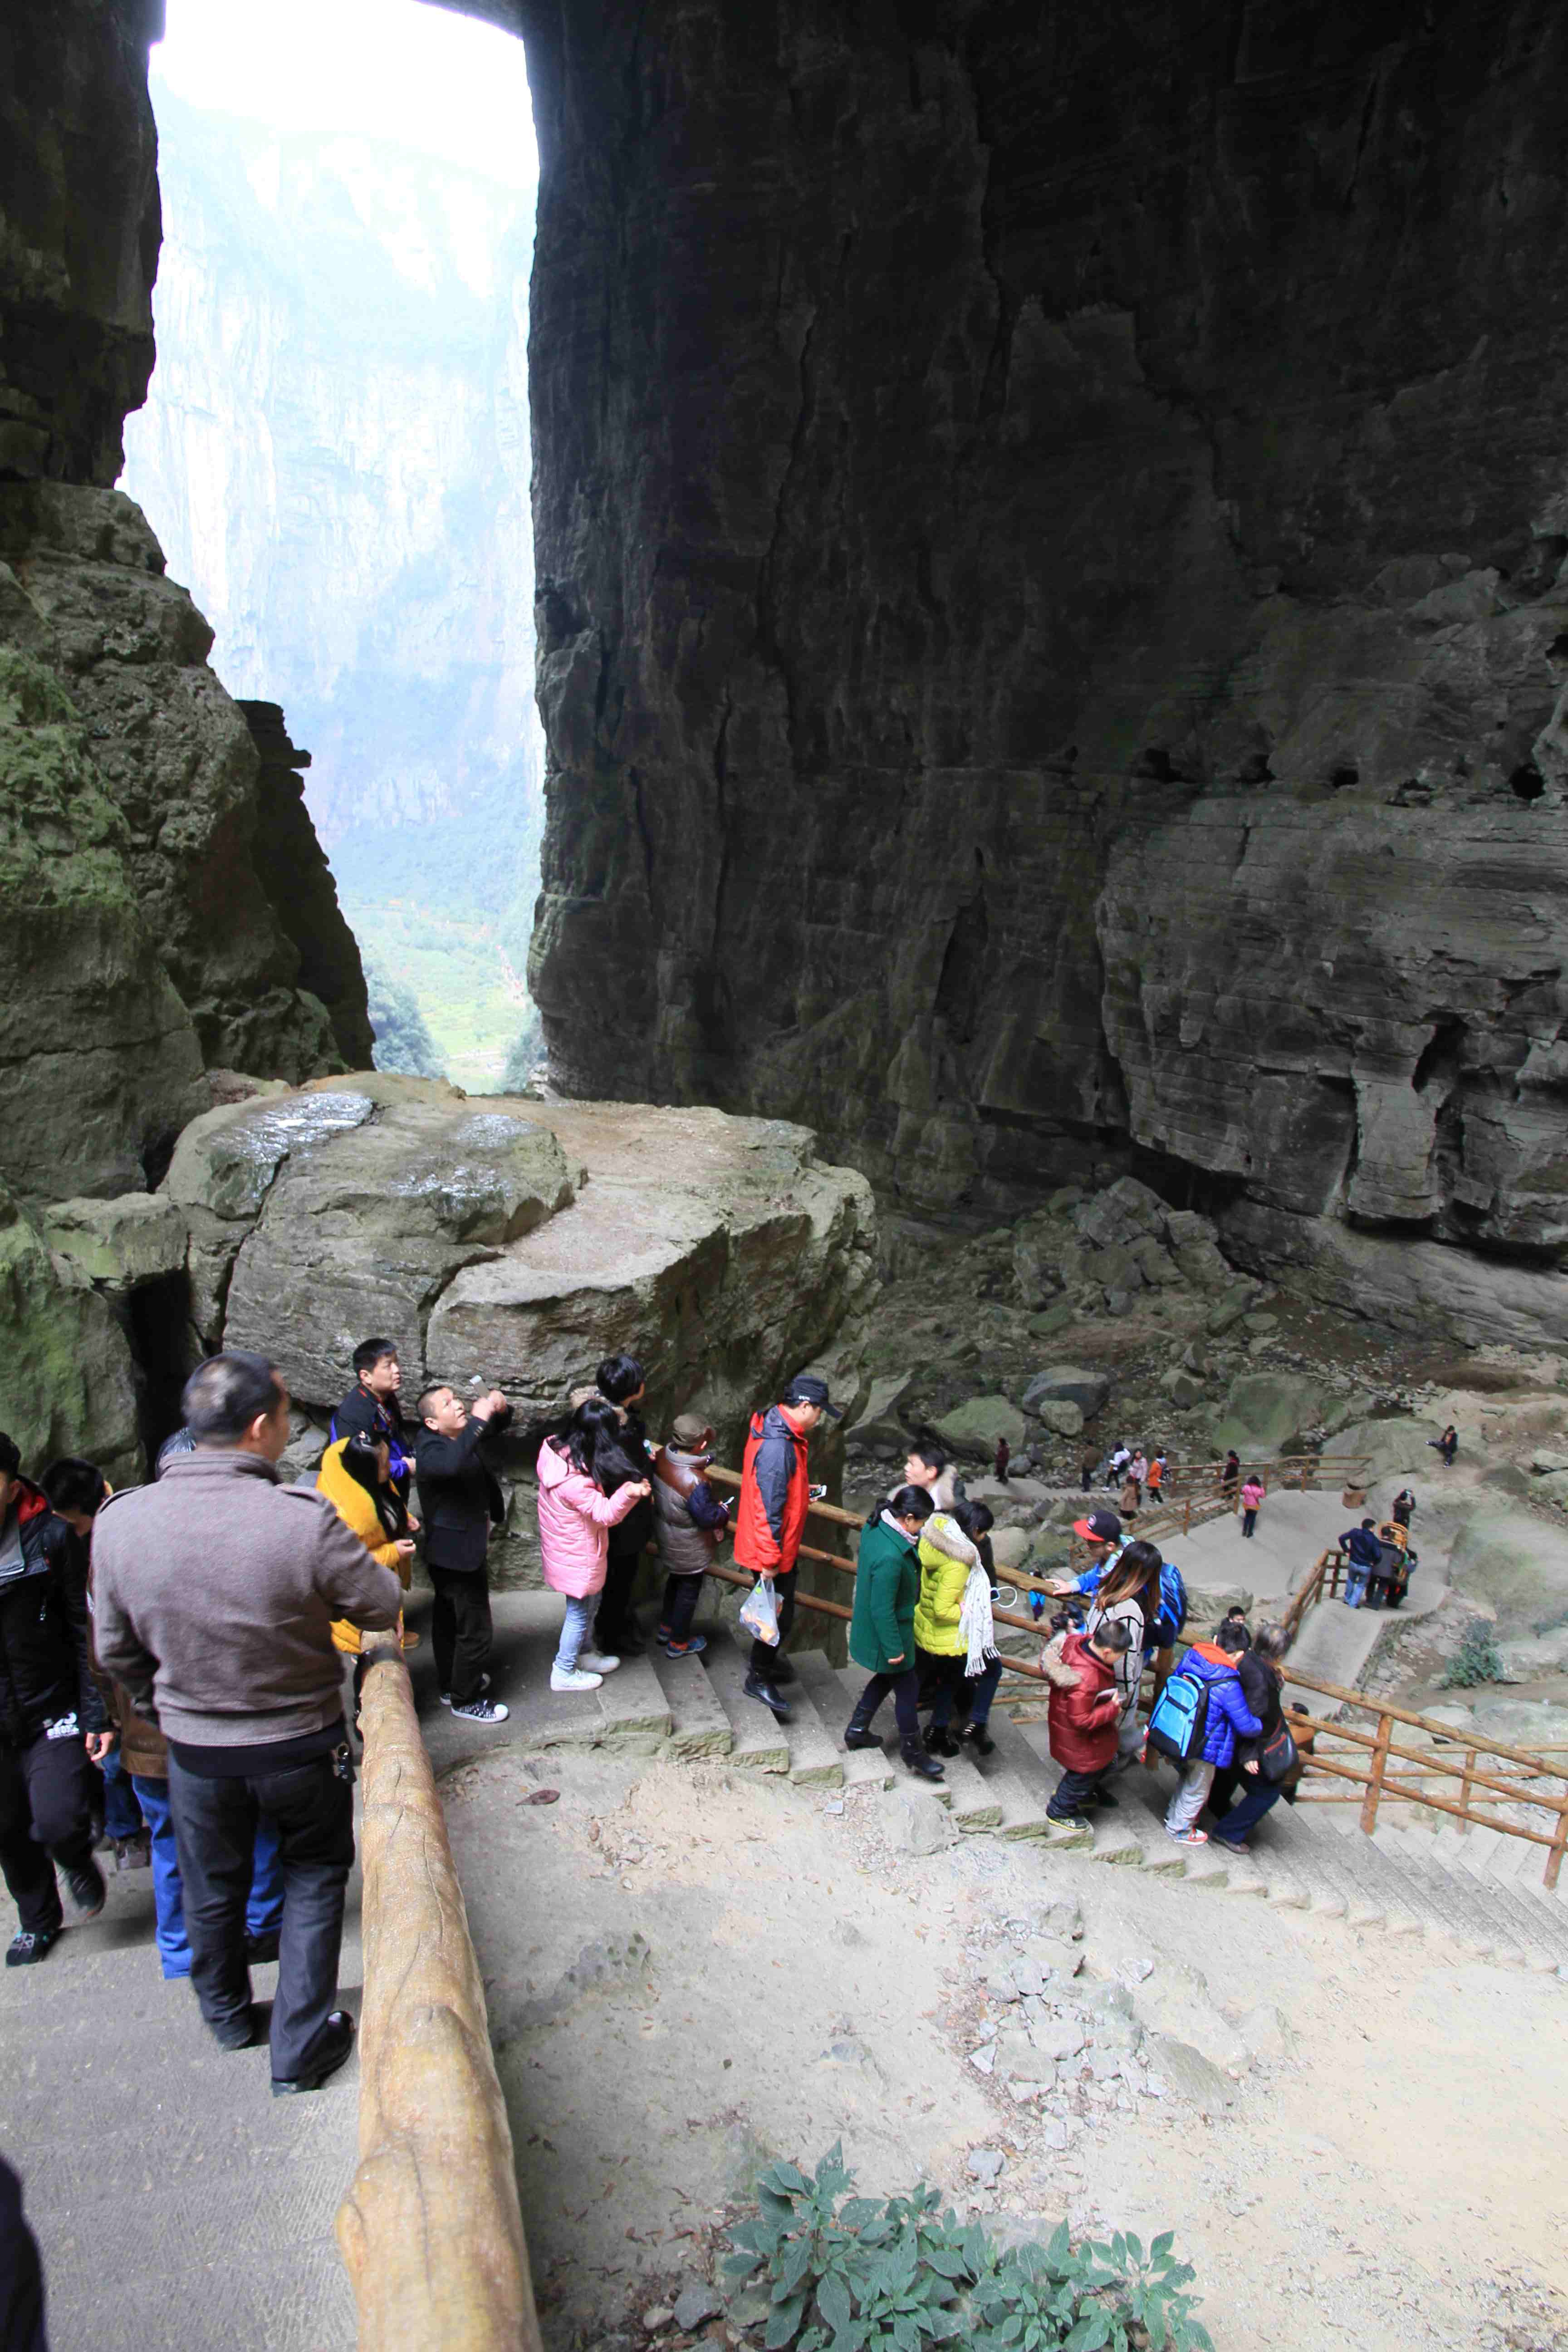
x,y
1476,1894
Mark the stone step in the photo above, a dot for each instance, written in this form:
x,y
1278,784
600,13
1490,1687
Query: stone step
x,y
974,1806
1027,1781
834,1692
698,1725
1486,1911
814,1753
758,1744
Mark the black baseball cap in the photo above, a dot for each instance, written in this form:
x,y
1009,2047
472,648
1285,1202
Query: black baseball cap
x,y
1100,1527
807,1388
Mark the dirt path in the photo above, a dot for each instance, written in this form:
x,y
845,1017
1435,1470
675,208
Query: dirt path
x,y
691,1970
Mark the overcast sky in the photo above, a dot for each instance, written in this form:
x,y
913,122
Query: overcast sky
x,y
392,70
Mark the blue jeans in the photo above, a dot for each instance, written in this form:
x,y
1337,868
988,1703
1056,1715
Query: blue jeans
x,y
122,1814
263,1910
574,1630
1257,1795
1355,1585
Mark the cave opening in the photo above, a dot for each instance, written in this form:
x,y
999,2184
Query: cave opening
x,y
335,455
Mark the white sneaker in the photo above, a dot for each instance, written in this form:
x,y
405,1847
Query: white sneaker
x,y
573,1679
590,1663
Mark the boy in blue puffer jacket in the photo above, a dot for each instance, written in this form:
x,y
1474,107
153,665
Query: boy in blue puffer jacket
x,y
1230,1716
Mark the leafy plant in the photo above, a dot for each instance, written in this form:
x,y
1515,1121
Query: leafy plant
x,y
1477,1659
846,2273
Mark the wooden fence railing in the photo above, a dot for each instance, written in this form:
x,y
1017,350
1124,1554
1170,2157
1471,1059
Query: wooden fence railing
x,y
1373,1750
430,2230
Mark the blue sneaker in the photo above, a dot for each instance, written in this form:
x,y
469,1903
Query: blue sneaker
x,y
691,1648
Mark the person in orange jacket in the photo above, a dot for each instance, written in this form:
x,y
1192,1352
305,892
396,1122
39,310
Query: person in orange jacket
x,y
771,1521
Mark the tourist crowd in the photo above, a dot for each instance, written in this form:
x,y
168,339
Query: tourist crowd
x,y
174,1683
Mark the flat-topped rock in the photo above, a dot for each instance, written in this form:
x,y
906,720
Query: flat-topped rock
x,y
509,1241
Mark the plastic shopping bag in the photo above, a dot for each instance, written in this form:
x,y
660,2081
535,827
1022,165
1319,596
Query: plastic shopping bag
x,y
759,1611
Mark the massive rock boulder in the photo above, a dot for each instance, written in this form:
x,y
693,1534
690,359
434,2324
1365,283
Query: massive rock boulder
x,y
520,1242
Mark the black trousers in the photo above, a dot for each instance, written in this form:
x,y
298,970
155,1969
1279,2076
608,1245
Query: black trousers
x,y
905,1688
764,1655
460,1629
613,1629
1074,1791
312,1813
45,1801
681,1595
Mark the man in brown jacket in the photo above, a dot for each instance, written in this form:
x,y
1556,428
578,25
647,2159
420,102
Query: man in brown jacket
x,y
213,1596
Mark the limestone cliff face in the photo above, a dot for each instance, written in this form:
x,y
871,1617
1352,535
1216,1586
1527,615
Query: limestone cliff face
x,y
175,756
1050,536
140,941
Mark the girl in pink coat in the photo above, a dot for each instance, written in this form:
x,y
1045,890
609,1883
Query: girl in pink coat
x,y
585,1488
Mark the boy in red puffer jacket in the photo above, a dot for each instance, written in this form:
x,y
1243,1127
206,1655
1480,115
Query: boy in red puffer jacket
x,y
1085,1705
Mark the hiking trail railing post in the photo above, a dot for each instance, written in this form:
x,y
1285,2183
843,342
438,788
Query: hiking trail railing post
x,y
1374,1786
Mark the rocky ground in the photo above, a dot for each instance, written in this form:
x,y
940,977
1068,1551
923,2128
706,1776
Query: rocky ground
x,y
1108,1315
709,1971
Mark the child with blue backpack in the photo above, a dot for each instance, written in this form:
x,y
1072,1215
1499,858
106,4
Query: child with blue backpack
x,y
1196,1721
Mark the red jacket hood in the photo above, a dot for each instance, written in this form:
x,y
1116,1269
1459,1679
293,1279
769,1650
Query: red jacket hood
x,y
30,1501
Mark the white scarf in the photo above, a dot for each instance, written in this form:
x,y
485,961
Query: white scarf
x,y
974,1621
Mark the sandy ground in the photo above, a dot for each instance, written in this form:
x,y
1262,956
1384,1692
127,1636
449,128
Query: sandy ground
x,y
691,1970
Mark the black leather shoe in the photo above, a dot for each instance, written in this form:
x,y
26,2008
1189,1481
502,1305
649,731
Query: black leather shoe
x,y
925,1766
976,1736
857,1736
939,1740
258,1948
757,1688
332,2046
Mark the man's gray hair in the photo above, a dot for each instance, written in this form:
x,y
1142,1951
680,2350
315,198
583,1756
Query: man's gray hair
x,y
226,1394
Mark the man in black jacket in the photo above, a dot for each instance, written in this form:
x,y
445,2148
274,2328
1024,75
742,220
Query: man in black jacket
x,y
51,1717
372,1410
460,1497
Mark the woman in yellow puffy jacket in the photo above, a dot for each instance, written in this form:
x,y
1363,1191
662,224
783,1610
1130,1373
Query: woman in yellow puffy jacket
x,y
947,1558
355,1477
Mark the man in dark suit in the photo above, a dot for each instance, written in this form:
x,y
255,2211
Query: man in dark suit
x,y
460,1497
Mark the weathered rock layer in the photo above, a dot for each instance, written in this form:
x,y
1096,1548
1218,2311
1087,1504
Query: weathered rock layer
x,y
1051,623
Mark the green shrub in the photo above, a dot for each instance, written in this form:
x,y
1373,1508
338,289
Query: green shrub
x,y
846,2273
1477,1659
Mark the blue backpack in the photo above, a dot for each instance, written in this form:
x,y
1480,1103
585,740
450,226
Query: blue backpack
x,y
1180,1718
1172,1614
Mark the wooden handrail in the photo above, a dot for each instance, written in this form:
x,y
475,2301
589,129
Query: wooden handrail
x,y
1377,1783
430,2230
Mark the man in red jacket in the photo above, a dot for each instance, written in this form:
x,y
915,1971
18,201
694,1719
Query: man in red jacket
x,y
774,1493
1084,1706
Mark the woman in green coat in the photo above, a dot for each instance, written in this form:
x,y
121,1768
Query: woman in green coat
x,y
882,1629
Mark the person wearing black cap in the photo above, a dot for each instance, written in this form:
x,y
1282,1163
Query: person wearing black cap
x,y
771,1519
1104,1535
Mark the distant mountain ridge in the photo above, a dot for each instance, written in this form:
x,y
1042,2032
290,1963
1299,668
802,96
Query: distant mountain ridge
x,y
335,455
